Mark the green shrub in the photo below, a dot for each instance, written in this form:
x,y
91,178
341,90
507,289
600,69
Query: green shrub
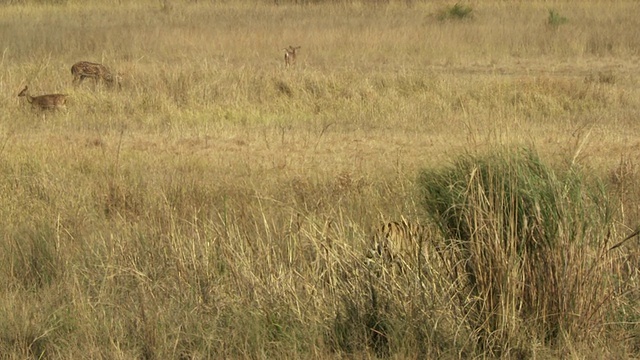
x,y
555,19
522,245
456,12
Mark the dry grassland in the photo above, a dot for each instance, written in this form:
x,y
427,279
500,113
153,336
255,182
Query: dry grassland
x,y
218,205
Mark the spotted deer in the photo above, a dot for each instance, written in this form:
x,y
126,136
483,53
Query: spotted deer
x,y
44,102
290,54
98,72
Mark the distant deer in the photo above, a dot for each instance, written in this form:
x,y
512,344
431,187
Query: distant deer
x,y
290,55
98,72
44,102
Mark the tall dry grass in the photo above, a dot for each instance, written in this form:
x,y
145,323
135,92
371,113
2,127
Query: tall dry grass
x,y
219,205
525,245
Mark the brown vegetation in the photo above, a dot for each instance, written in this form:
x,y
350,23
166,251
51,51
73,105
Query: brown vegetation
x,y
220,206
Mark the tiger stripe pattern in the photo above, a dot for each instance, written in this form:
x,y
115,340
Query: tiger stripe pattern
x,y
399,242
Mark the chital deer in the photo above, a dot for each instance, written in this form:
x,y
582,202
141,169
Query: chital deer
x,y
44,102
290,54
98,72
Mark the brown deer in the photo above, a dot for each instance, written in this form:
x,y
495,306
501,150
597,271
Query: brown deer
x,y
45,102
290,54
98,72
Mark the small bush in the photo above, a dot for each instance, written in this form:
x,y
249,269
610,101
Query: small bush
x,y
456,12
522,245
555,19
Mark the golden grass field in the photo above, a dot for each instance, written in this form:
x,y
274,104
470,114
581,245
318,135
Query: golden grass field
x,y
218,205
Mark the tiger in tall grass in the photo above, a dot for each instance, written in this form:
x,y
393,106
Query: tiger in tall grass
x,y
399,244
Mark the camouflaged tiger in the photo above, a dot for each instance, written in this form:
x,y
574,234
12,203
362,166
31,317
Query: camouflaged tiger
x,y
399,242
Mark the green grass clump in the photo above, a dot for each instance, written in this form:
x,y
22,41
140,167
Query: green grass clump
x,y
456,12
522,242
555,19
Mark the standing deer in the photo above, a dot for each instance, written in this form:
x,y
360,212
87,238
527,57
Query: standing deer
x,y
44,102
290,55
98,72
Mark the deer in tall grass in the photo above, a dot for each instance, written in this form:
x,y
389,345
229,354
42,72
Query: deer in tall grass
x,y
290,54
98,72
44,102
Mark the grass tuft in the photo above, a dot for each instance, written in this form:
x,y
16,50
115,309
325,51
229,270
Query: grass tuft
x,y
456,12
526,246
555,19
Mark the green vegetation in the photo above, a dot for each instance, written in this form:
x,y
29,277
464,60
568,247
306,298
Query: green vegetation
x,y
555,19
522,244
456,12
219,205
